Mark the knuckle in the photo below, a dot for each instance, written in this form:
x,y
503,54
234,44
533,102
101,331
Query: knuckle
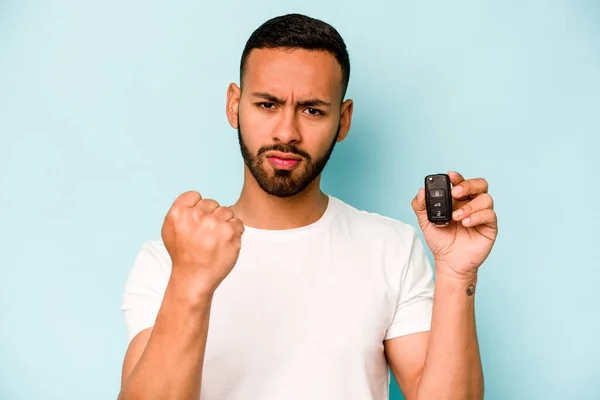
x,y
191,193
484,216
463,187
188,196
210,204
197,213
237,223
174,213
229,231
208,222
223,211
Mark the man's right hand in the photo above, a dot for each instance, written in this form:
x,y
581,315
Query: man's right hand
x,y
166,360
203,240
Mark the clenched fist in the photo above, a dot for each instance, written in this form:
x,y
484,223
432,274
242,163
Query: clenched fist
x,y
203,240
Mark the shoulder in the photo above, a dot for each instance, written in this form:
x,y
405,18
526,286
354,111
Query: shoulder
x,y
151,262
156,250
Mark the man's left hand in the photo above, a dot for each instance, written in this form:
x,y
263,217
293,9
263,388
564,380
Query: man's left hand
x,y
462,246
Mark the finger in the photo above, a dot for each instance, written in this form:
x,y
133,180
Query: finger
x,y
482,217
419,206
207,206
455,177
188,199
479,203
223,213
237,224
418,202
469,187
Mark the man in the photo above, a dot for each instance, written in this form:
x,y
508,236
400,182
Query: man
x,y
291,293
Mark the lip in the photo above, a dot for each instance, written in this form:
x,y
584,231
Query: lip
x,y
283,161
283,156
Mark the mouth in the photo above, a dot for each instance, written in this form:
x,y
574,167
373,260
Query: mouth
x,y
283,160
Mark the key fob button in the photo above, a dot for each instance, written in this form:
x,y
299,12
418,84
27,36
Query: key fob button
x,y
436,193
439,213
437,205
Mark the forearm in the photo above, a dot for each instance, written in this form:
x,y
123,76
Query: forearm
x,y
171,364
453,365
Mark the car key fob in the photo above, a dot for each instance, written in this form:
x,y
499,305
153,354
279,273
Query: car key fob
x,y
438,199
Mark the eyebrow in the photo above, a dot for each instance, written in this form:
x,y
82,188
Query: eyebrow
x,y
304,103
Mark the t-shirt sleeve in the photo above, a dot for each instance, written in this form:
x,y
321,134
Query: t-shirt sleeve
x,y
415,296
145,288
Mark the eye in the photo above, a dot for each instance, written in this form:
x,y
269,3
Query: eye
x,y
314,111
266,105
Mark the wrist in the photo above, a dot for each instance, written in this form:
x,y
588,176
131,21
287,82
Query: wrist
x,y
449,281
458,274
191,290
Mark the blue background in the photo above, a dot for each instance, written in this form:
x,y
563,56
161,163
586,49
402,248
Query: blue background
x,y
110,109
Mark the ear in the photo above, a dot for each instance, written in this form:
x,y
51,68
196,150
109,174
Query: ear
x,y
233,104
345,119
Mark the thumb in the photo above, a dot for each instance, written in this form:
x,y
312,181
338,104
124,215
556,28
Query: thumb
x,y
420,208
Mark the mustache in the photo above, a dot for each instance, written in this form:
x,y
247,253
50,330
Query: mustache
x,y
284,148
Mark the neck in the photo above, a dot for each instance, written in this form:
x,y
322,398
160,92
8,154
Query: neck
x,y
260,210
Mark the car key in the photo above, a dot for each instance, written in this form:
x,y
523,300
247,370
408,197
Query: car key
x,y
438,199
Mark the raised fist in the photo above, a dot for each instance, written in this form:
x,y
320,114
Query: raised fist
x,y
203,240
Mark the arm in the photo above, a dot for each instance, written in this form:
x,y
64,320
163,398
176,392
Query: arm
x,y
203,240
445,362
448,366
165,362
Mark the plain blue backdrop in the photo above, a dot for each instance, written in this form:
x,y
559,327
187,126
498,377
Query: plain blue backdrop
x,y
110,109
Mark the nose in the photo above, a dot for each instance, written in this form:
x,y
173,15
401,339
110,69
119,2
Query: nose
x,y
287,130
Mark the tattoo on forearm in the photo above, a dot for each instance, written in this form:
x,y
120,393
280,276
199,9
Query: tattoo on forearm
x,y
470,290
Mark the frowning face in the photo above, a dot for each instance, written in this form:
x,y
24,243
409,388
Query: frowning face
x,y
289,116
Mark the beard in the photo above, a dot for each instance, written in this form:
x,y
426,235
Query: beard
x,y
284,183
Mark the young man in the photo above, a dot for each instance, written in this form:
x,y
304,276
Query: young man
x,y
291,293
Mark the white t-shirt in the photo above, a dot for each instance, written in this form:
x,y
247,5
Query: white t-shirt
x,y
305,311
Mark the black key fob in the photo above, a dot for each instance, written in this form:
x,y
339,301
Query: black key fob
x,y
438,199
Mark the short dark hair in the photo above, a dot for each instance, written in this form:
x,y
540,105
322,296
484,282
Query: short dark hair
x,y
299,31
